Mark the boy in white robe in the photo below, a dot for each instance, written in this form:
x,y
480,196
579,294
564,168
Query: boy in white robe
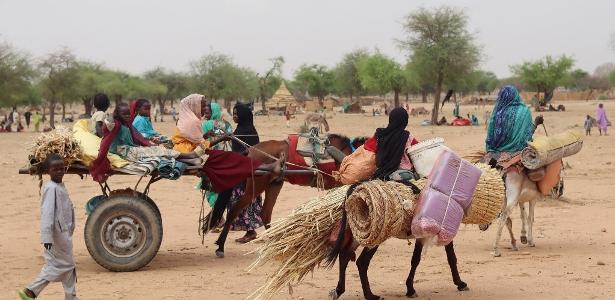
x,y
57,227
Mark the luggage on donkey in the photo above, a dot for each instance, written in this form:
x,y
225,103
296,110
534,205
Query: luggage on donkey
x,y
447,194
358,166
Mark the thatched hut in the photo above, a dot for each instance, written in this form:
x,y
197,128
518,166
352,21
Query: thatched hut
x,y
282,100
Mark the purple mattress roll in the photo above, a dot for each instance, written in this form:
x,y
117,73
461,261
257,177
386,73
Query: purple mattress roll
x,y
437,215
455,177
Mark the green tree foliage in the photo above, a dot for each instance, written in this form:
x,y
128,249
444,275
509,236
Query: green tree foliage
x,y
346,74
612,79
176,85
578,80
220,78
381,74
270,81
59,80
314,79
440,46
16,74
545,74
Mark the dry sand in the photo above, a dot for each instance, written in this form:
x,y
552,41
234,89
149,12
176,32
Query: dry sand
x,y
572,234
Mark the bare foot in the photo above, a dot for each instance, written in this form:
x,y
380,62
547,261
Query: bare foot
x,y
250,235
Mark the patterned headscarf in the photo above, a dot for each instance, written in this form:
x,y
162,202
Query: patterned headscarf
x,y
510,125
189,123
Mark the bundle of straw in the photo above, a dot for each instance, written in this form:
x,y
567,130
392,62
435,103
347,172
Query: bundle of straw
x,y
487,199
376,211
298,242
59,141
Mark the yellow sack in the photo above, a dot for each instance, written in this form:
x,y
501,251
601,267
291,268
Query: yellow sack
x,y
90,143
358,166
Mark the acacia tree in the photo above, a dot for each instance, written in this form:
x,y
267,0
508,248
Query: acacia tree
x,y
440,45
381,74
175,83
16,74
270,81
315,79
219,78
346,74
545,74
59,80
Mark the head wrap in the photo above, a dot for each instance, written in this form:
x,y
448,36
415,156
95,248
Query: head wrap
x,y
510,125
189,123
245,128
391,143
216,116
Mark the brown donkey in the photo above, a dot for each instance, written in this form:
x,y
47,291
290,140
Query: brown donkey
x,y
256,185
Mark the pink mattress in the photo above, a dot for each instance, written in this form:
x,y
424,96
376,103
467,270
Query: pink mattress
x,y
447,194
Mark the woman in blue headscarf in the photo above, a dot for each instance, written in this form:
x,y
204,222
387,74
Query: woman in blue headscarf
x,y
510,125
216,121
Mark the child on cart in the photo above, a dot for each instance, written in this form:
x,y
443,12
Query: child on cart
x,y
140,112
57,227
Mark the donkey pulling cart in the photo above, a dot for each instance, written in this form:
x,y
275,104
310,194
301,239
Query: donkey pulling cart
x,y
123,231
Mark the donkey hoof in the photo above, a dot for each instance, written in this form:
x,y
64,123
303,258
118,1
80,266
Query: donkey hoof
x,y
531,244
523,240
496,253
413,295
333,294
220,253
463,287
373,297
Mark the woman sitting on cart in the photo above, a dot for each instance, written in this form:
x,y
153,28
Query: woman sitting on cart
x,y
125,141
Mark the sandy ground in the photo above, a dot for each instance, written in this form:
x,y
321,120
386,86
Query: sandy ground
x,y
572,234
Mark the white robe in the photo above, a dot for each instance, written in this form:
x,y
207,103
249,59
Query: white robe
x,y
57,227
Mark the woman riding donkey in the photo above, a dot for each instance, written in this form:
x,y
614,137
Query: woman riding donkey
x,y
392,163
510,129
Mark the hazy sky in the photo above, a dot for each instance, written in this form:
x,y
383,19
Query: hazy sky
x,y
138,35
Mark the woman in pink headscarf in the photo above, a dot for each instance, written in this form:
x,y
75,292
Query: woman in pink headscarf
x,y
601,119
223,169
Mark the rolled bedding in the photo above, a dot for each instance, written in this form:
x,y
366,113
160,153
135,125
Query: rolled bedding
x,y
545,150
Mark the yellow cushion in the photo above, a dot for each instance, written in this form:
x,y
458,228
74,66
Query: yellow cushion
x,y
90,143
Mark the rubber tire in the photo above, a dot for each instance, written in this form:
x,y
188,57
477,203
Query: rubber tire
x,y
146,210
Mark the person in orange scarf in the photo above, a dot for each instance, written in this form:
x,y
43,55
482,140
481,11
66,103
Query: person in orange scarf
x,y
223,169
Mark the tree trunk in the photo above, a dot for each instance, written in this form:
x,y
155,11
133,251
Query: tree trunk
x,y
63,112
52,113
407,97
350,98
424,96
436,100
263,104
118,99
87,104
44,112
396,97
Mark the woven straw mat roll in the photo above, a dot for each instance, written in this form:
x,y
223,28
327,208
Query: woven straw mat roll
x,y
376,211
487,199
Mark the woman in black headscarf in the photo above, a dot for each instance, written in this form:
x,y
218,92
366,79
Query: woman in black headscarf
x,y
245,131
391,144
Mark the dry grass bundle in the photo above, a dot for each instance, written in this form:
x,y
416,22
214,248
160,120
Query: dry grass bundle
x,y
376,211
488,197
59,141
298,242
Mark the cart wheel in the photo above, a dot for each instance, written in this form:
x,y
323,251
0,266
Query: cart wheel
x,y
124,233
